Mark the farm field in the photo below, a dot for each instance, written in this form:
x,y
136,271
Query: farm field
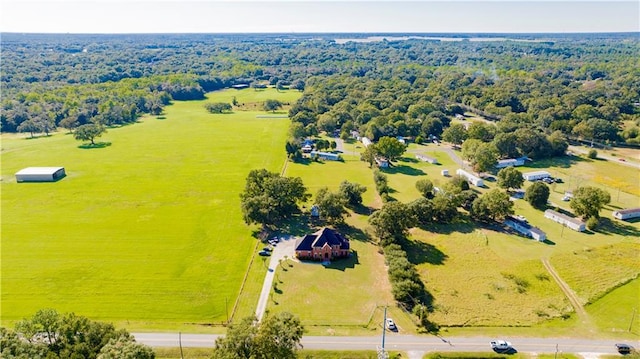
x,y
145,232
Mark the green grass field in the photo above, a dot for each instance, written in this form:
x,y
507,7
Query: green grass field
x,y
146,232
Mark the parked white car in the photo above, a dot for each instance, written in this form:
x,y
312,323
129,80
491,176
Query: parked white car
x,y
390,324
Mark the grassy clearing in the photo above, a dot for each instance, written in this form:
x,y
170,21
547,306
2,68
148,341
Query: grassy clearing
x,y
188,353
506,285
618,309
345,354
147,232
478,355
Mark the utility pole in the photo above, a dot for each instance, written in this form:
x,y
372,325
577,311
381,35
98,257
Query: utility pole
x,y
633,316
382,354
226,307
180,341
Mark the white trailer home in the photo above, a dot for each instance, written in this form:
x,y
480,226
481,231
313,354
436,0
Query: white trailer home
x,y
627,213
40,174
535,175
573,223
474,180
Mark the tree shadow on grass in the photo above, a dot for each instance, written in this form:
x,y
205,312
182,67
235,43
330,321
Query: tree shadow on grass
x,y
460,226
419,252
407,159
353,233
560,162
343,264
405,170
89,146
609,227
362,210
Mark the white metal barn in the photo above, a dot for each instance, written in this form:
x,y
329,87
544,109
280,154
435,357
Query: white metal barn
x,y
40,174
535,175
476,181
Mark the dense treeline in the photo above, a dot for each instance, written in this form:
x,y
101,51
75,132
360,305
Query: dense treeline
x,y
586,86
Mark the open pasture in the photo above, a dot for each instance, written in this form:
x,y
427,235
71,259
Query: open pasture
x,y
145,232
483,277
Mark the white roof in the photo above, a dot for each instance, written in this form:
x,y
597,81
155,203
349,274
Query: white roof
x,y
39,170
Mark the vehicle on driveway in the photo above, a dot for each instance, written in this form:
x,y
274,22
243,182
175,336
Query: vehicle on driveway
x,y
391,325
500,345
264,253
266,249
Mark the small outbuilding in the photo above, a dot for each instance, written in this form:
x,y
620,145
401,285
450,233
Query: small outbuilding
x,y
40,174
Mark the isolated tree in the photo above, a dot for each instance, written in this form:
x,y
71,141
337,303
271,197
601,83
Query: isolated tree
x,y
269,198
537,195
352,192
455,134
425,187
392,221
592,154
271,105
456,181
509,178
493,205
369,155
390,148
89,132
218,107
331,205
588,201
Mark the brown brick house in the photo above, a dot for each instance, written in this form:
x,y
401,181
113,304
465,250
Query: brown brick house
x,y
323,245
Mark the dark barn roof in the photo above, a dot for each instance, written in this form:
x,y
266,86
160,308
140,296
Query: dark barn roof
x,y
320,238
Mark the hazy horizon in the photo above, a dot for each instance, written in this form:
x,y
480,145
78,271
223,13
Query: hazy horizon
x,y
227,17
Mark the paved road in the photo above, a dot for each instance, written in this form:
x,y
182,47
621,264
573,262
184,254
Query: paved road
x,y
412,343
286,247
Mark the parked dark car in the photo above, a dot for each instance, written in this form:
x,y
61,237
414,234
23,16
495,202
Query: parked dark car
x,y
264,253
623,348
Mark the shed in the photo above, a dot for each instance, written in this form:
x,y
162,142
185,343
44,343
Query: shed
x,y
40,174
445,173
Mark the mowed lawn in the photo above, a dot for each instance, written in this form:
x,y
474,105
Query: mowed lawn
x,y
146,232
348,296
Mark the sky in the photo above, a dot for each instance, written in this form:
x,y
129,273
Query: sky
x,y
295,16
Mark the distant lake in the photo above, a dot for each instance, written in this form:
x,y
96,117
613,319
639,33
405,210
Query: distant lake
x,y
404,38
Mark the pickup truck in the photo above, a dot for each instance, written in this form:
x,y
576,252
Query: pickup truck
x,y
500,345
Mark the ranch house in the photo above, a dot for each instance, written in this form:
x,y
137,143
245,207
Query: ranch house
x,y
424,158
510,162
323,245
40,174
